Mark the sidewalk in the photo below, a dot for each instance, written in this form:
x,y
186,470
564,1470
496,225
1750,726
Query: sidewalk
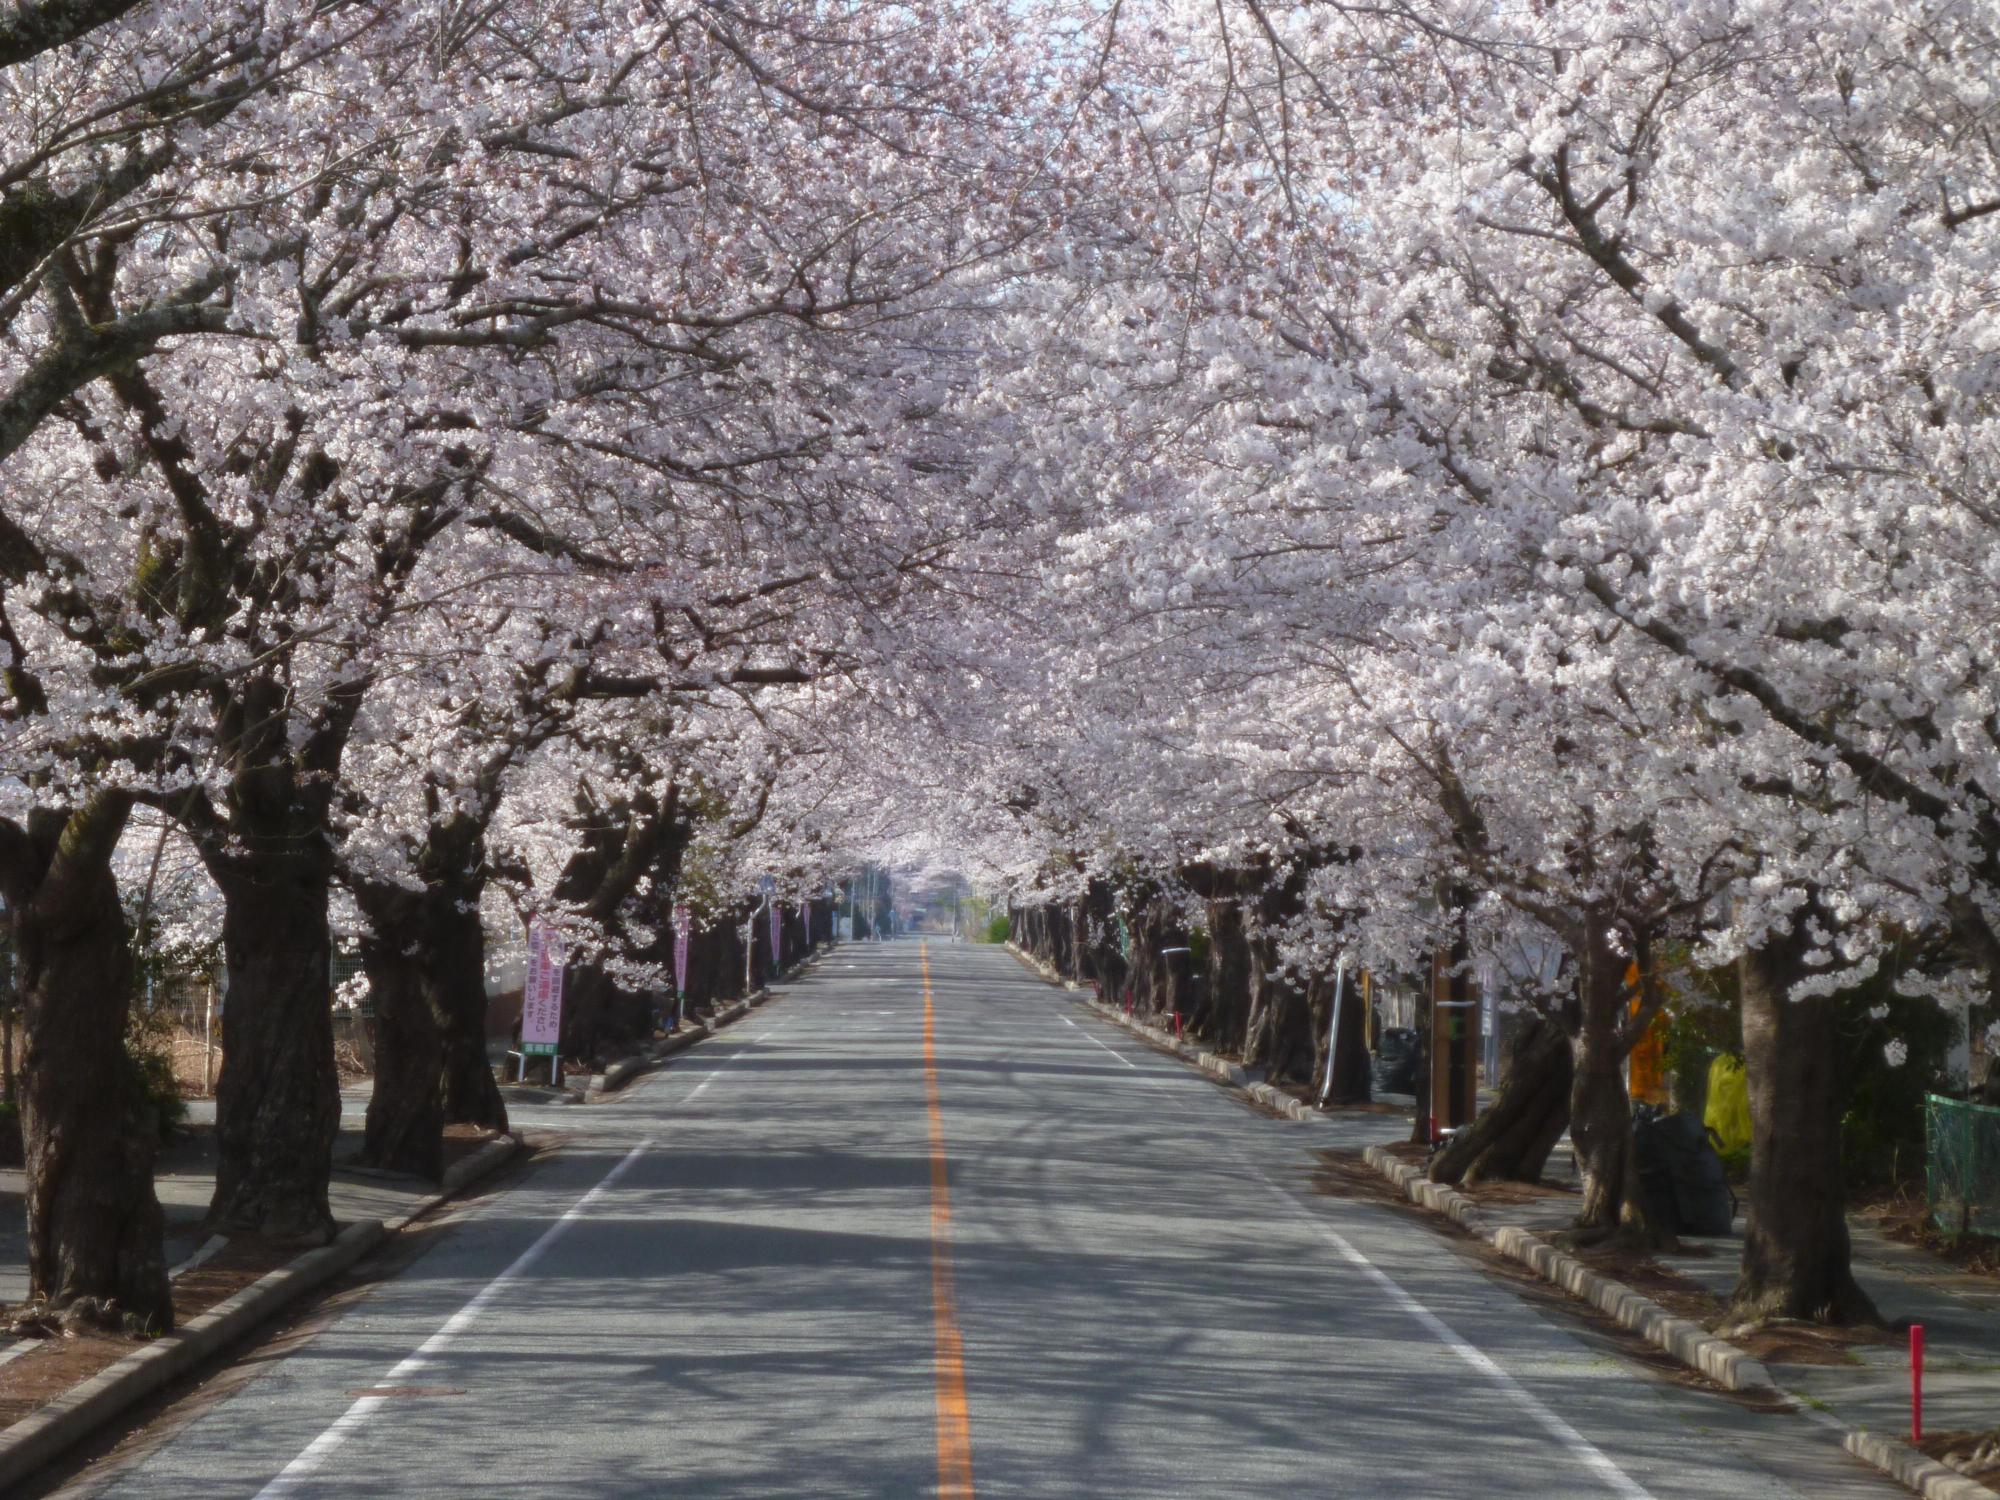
x,y
185,1181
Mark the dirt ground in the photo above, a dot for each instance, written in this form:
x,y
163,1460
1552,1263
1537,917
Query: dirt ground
x,y
197,1062
56,1363
1904,1216
1974,1454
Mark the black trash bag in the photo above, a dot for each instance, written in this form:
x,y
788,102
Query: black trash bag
x,y
1394,1070
1681,1180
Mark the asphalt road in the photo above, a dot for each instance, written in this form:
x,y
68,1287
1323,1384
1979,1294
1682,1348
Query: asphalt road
x,y
873,1244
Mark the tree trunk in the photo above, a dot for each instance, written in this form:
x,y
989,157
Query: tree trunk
x,y
94,1223
406,1111
1227,1014
1512,1139
458,962
1600,1109
1156,927
1094,925
1278,1035
1795,1243
586,1000
278,1098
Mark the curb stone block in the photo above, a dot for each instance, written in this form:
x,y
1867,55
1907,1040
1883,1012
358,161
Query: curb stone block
x,y
619,1074
1228,1072
1901,1462
1683,1338
462,1173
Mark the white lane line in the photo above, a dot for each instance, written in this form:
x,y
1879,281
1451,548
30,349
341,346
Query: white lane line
x,y
1579,1447
321,1448
316,1453
1096,1043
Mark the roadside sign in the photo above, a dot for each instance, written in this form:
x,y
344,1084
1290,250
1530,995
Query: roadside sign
x,y
541,998
777,934
683,924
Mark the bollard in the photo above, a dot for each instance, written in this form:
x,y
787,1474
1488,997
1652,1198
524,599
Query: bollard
x,y
1916,1382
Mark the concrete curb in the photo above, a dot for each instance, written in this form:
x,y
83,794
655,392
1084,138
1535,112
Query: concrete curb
x,y
1220,1069
1908,1467
1688,1342
71,1417
623,1072
619,1074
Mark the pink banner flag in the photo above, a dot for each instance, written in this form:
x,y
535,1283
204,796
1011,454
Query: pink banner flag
x,y
683,926
777,934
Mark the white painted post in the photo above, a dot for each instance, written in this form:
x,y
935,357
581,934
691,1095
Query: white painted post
x,y
208,1041
1333,1031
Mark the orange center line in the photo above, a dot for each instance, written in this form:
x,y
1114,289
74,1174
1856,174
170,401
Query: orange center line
x,y
954,1419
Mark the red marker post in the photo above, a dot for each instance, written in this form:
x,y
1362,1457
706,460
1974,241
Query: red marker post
x,y
1916,1382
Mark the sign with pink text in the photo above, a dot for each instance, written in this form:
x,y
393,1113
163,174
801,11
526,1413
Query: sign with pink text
x,y
683,926
541,997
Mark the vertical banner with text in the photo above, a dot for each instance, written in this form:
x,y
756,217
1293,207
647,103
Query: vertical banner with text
x,y
683,926
541,999
777,934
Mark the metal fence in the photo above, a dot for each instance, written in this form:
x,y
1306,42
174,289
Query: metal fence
x,y
1963,1165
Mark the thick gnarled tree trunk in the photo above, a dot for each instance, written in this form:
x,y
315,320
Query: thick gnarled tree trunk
x,y
1600,1108
1277,1035
457,951
1227,1011
1512,1138
1796,1252
1278,1028
94,1222
425,957
405,1131
277,1101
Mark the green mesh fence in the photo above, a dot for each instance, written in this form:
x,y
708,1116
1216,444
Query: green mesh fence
x,y
1963,1165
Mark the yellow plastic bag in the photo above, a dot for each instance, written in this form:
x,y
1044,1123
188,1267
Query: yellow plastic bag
x,y
1728,1110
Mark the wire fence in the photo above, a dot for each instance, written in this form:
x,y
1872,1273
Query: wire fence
x,y
1962,1165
